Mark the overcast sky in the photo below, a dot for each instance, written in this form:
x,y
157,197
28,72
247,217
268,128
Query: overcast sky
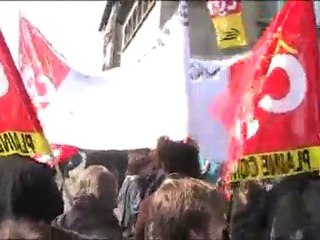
x,y
71,27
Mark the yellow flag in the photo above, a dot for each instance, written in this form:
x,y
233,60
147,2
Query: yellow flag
x,y
230,31
227,20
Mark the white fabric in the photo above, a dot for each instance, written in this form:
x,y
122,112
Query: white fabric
x,y
130,107
207,79
127,107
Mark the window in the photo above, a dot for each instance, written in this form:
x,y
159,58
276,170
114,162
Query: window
x,y
135,18
266,11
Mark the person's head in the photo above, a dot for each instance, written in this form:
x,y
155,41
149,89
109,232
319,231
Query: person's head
x,y
191,141
35,194
179,157
187,209
139,163
100,183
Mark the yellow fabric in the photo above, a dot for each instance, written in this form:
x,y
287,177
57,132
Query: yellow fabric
x,y
230,31
23,143
277,164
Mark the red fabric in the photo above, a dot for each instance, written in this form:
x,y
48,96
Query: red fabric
x,y
249,83
17,113
36,53
64,153
227,6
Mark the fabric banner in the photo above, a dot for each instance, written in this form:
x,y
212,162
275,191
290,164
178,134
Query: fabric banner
x,y
205,79
20,130
124,108
272,109
226,16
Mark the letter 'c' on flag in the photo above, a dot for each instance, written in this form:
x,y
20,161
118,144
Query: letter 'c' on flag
x,y
297,85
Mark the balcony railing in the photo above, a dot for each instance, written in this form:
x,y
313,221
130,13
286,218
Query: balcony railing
x,y
134,20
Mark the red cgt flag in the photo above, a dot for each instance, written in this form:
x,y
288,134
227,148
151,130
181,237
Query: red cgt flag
x,y
271,105
20,130
43,71
40,65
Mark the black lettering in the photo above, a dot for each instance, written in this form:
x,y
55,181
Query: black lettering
x,y
1,146
270,164
24,143
5,140
8,139
230,35
276,164
29,142
290,161
273,159
253,166
244,168
4,144
13,142
300,162
282,164
17,141
306,158
264,160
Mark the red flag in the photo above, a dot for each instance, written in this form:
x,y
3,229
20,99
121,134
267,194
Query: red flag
x,y
60,154
43,70
20,130
271,106
41,66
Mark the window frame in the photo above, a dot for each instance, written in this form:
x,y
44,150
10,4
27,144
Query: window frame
x,y
134,20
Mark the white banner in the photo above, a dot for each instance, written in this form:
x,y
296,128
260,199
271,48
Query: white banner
x,y
125,108
130,107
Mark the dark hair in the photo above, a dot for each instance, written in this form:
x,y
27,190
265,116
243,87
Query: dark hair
x,y
35,194
114,160
137,161
178,157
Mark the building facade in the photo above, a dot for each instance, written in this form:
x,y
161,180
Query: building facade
x,y
138,22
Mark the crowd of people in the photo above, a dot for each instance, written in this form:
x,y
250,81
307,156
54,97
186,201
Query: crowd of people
x,y
162,195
